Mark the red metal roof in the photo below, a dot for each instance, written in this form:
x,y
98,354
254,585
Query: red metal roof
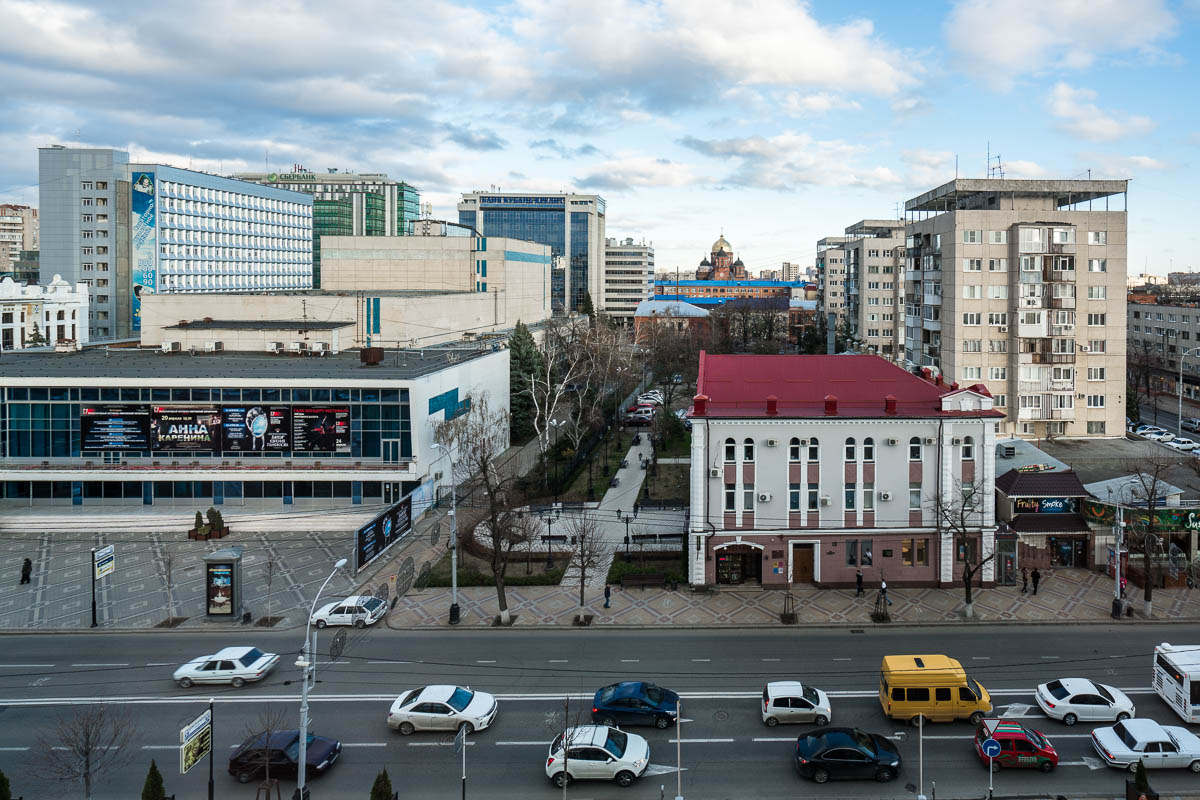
x,y
739,385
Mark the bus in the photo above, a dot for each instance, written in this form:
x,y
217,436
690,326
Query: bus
x,y
1177,678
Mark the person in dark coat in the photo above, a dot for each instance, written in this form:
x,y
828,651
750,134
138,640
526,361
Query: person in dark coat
x,y
858,584
1037,578
26,571
1024,580
607,594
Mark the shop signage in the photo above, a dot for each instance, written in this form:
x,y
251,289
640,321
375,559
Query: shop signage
x,y
213,429
1044,505
1166,519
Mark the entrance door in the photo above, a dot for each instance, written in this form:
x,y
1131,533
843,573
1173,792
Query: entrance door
x,y
802,563
730,567
391,493
1006,561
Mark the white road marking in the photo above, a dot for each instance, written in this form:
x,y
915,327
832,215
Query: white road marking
x,y
661,769
364,744
842,659
13,749
390,661
1019,710
770,659
160,747
24,666
1094,763
630,660
485,662
699,741
981,658
99,665
434,744
700,660
558,661
521,744
161,664
774,739
1051,656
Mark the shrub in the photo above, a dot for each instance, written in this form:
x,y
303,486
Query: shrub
x,y
199,523
382,788
153,788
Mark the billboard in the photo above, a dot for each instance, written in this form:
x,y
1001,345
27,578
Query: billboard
x,y
144,241
195,741
114,428
321,429
185,428
382,532
261,428
104,560
218,588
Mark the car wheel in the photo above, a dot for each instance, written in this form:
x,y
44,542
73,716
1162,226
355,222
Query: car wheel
x,y
1048,766
883,774
406,728
320,624
238,682
245,776
467,728
561,779
608,722
915,721
1070,719
1122,716
821,720
771,722
1194,766
624,778
185,683
975,718
1133,766
820,775
662,723
360,623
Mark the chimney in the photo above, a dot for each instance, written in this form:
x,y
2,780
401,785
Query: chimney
x,y
700,405
889,404
939,380
772,405
954,386
927,373
831,405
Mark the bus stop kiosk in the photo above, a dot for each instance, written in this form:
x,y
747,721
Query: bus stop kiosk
x,y
223,583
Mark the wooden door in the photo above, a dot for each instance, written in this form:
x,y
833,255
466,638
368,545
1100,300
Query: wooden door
x,y
802,563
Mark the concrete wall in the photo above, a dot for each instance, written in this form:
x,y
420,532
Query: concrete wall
x,y
242,340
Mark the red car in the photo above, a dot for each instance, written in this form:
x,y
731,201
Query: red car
x,y
1020,747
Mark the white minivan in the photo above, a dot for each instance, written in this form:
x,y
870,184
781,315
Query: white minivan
x,y
1190,424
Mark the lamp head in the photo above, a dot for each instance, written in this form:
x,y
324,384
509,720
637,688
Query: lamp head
x,y
341,563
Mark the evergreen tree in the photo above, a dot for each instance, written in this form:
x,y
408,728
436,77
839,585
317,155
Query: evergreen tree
x,y
586,308
382,789
524,361
5,789
153,788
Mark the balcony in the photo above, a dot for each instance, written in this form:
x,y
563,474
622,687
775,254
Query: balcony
x,y
1062,385
1062,330
1031,414
1062,413
1062,248
1031,302
931,299
1062,302
1058,358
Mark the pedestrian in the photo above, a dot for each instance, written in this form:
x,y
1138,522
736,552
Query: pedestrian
x,y
26,571
1124,583
607,594
883,591
1037,578
858,583
1024,580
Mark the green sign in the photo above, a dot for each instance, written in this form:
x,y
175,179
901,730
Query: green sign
x,y
1165,519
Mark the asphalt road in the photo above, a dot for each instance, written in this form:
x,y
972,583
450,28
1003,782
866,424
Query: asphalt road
x,y
726,750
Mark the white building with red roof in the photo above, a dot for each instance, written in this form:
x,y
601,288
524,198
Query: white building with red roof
x,y
808,468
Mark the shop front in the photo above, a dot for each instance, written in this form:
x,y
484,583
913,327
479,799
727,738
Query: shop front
x,y
738,564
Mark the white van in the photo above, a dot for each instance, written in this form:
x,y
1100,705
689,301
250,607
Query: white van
x,y
1190,424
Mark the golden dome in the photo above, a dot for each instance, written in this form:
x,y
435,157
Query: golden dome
x,y
720,244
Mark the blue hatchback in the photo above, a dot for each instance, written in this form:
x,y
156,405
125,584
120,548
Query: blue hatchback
x,y
635,703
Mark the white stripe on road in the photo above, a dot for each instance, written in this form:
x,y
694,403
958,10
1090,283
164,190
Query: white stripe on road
x,y
160,747
699,741
699,660
99,665
778,739
981,658
558,661
24,666
485,662
434,744
841,659
161,664
1051,656
521,744
364,744
630,660
13,749
770,659
389,661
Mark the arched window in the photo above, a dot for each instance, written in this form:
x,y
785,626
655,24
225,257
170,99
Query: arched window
x,y
748,450
968,451
868,450
914,448
730,450
850,449
794,449
814,450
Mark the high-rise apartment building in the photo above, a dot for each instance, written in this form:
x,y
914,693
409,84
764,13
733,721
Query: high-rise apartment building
x,y
832,280
628,277
789,271
18,232
348,204
1019,285
874,253
572,225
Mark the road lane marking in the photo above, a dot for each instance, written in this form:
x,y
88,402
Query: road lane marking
x,y
558,661
13,749
770,659
485,662
24,666
521,744
981,658
701,660
630,660
434,744
160,747
1051,656
364,744
161,664
699,741
99,665
775,739
841,659
390,661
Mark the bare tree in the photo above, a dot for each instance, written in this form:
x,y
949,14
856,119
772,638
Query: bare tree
x,y
271,721
270,569
560,367
591,552
961,514
1149,487
478,439
672,349
166,565
1141,360
86,744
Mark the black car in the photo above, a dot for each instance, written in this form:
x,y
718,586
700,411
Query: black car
x,y
846,753
281,749
635,703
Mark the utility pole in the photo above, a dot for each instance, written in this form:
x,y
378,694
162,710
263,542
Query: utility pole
x,y
94,587
211,755
678,750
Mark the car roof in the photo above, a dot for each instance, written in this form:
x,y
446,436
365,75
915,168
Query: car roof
x,y
1143,729
587,734
231,652
438,693
1078,685
628,689
277,739
780,688
1007,729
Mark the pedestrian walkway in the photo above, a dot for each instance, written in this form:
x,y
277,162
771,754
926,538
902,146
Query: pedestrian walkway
x,y
1065,595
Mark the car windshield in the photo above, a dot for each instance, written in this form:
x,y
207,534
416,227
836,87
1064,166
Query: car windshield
x,y
863,740
293,749
1056,689
253,655
1105,693
372,603
460,699
654,693
1125,736
810,694
978,689
616,742
1038,740
606,694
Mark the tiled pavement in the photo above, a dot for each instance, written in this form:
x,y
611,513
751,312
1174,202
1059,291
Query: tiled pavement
x,y
1065,594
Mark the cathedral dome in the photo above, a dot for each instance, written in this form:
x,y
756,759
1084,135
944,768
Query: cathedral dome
x,y
721,245
704,262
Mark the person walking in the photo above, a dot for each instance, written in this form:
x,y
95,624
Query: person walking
x,y
858,584
607,594
1024,580
26,571
883,591
1037,578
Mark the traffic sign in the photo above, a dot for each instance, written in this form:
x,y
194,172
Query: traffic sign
x,y
991,748
195,742
990,725
105,560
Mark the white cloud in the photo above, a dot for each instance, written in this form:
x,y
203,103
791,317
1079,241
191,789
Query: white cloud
x,y
1110,165
791,160
1024,169
799,104
927,168
630,172
1000,40
1082,118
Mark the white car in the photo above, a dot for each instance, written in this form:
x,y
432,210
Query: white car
x,y
1163,746
1181,443
1142,430
792,701
233,665
1073,699
652,399
597,752
442,708
1159,436
359,610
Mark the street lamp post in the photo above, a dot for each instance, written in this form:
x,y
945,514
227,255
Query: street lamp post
x,y
455,612
307,662
1179,388
1118,535
557,425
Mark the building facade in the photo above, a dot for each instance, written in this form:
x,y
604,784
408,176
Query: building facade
x,y
874,284
832,287
721,265
790,272
32,315
806,469
572,225
628,277
1020,285
1160,336
19,233
726,290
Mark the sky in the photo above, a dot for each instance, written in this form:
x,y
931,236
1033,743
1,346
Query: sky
x,y
774,122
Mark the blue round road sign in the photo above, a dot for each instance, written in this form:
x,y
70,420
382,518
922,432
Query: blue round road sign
x,y
991,748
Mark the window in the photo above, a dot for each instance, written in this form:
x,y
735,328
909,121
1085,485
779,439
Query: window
x,y
1097,293
868,450
850,449
1064,236
1097,265
971,373
814,450
1097,237
997,237
851,492
914,449
85,186
968,449
972,237
1098,345
915,552
852,552
1095,427
1095,373
868,497
813,496
748,450
794,450
1095,401
997,373
1096,319
971,318
864,553
972,291
730,451
972,265
748,497
1031,401
998,317
997,345
997,265
793,497
1000,400
997,292
730,495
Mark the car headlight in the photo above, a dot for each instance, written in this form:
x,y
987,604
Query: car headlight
x,y
638,764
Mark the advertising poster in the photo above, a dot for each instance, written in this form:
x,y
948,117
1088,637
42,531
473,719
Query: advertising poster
x,y
256,428
321,429
195,742
144,241
382,532
219,588
114,428
185,429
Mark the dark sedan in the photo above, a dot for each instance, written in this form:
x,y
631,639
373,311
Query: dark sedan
x,y
281,751
846,754
635,703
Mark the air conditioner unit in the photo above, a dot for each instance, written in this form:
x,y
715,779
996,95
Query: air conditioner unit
x,y
764,497
172,347
1004,329
714,472
772,442
213,347
274,347
297,347
928,440
1008,451
893,442
885,495
956,441
825,500
1083,348
804,442
321,347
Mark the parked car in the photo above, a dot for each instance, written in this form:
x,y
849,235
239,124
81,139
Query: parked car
x,y
682,414
358,610
1142,430
792,701
282,750
1074,699
1159,436
442,707
635,703
597,752
1157,746
1021,747
236,666
1181,443
1190,424
846,753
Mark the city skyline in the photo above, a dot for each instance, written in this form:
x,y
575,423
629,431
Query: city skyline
x,y
774,125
